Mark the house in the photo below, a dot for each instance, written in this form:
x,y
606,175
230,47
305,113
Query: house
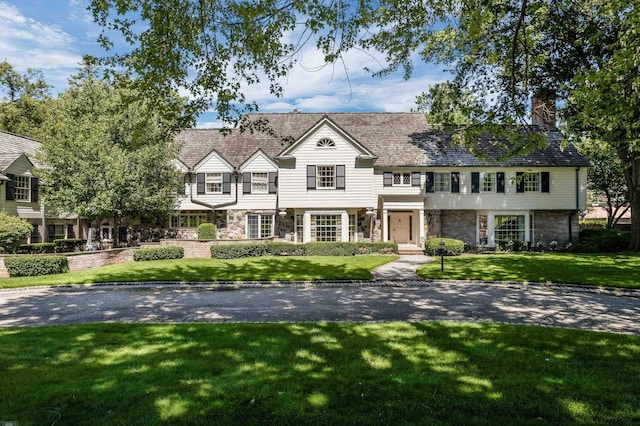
x,y
373,177
20,193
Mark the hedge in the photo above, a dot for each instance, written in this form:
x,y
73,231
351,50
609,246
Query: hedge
x,y
454,247
286,249
234,251
331,249
160,253
377,248
29,266
37,248
207,231
606,240
70,244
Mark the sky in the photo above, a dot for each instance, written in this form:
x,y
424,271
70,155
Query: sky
x,y
53,35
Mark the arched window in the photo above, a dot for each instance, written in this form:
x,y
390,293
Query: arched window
x,y
326,143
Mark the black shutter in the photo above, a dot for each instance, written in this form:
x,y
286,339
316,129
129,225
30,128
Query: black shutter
x,y
544,181
519,181
11,188
415,178
428,187
51,230
226,183
475,182
200,183
387,179
70,233
340,177
500,182
34,189
273,182
455,181
184,185
246,183
311,176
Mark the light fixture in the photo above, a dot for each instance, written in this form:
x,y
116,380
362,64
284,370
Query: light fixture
x,y
370,212
282,212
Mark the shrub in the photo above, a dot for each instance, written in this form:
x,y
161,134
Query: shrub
x,y
588,247
29,266
607,240
593,224
160,253
70,244
454,247
37,248
377,248
234,251
207,231
331,249
286,249
13,231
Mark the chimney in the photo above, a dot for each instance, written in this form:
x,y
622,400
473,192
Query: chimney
x,y
543,110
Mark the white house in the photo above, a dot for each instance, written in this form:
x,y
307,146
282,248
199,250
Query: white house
x,y
374,177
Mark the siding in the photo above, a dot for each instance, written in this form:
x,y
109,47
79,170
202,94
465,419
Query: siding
x,y
258,163
21,167
213,164
380,189
359,176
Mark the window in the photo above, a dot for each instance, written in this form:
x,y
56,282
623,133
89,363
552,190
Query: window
x,y
326,143
325,176
213,183
531,182
259,225
22,188
188,220
442,182
509,228
483,229
487,182
326,227
259,183
401,179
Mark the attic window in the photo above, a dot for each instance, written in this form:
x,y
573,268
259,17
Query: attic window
x,y
325,143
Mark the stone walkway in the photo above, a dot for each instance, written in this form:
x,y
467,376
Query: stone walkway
x,y
402,269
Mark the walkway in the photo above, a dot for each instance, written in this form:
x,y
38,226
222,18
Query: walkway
x,y
402,269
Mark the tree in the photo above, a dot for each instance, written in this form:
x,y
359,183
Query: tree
x,y
13,232
108,152
445,103
584,52
25,100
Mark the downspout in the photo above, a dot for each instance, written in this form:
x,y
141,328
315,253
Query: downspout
x,y
215,206
577,203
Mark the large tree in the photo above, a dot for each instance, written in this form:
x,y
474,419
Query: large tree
x,y
583,52
108,151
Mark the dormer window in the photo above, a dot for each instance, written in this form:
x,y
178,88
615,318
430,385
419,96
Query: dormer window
x,y
325,143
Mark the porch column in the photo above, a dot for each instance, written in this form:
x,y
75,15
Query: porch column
x,y
421,227
307,227
385,225
344,222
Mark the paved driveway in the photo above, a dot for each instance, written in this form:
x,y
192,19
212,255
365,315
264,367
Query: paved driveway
x,y
384,301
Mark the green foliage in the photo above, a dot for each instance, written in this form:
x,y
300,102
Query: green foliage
x,y
286,249
159,253
29,266
377,248
13,232
606,240
586,247
233,251
67,245
207,231
593,224
454,247
37,248
331,249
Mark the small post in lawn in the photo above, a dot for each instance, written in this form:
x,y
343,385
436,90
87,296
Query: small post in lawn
x,y
442,251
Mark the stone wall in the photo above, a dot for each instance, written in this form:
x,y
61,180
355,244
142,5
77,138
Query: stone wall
x,y
202,248
459,224
432,224
561,226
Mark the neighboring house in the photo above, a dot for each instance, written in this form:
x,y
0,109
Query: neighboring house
x,y
373,177
20,193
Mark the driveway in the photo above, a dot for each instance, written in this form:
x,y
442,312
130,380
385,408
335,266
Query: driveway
x,y
393,300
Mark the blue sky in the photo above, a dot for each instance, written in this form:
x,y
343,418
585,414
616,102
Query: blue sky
x,y
53,35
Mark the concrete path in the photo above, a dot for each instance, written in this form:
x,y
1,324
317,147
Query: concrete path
x,y
402,269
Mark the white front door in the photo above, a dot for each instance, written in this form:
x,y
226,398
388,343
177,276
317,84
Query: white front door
x,y
400,227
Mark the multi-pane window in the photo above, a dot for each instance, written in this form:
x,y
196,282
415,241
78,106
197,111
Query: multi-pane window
x,y
213,183
325,176
326,227
259,225
259,183
442,182
401,179
22,187
188,220
58,232
509,228
531,182
487,182
326,143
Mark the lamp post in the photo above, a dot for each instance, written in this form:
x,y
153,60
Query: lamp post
x,y
442,251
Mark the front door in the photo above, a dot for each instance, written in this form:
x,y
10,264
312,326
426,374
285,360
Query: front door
x,y
400,224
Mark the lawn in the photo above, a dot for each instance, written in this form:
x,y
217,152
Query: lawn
x,y
294,268
615,270
326,373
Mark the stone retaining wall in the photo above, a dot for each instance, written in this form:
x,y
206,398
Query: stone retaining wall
x,y
202,248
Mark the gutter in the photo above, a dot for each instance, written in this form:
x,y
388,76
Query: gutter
x,y
215,206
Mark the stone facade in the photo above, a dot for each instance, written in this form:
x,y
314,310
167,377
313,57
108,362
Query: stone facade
x,y
433,224
560,226
459,224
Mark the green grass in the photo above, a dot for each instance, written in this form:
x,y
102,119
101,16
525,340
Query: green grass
x,y
292,268
326,373
615,270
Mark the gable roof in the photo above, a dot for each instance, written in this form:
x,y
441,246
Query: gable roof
x,y
13,146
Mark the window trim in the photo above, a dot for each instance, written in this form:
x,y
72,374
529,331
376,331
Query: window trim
x,y
213,178
22,189
262,219
446,180
482,181
325,143
265,184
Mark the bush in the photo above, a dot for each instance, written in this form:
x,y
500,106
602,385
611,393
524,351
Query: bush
x,y
37,248
29,266
286,249
70,244
607,240
160,253
454,247
588,247
234,251
377,248
207,231
331,249
13,231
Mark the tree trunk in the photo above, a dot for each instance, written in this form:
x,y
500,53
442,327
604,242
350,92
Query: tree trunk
x,y
115,237
632,175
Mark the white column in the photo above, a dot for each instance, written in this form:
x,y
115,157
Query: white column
x,y
421,227
345,226
307,227
385,225
491,231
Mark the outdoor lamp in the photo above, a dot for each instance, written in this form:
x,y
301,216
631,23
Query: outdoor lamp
x,y
442,250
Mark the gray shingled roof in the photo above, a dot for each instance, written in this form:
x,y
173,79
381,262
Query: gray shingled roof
x,y
12,146
397,139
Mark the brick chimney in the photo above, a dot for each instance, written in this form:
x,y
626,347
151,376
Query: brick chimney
x,y
543,111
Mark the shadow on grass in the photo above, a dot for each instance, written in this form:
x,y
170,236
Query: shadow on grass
x,y
329,373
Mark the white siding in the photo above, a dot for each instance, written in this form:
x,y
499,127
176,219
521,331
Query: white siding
x,y
379,187
259,163
20,167
561,196
359,179
213,164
